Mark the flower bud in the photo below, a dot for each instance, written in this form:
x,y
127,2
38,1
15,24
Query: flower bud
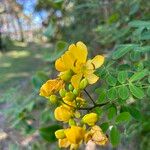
x,y
75,92
77,114
70,87
60,134
69,96
90,119
83,84
53,99
62,92
72,122
66,75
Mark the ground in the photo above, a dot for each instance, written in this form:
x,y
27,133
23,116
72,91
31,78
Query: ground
x,y
17,66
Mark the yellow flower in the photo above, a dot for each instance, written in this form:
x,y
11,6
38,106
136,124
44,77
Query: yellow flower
x,y
96,135
63,143
60,134
90,119
62,113
75,59
75,134
51,87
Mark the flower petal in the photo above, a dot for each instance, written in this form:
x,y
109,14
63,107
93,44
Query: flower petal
x,y
92,78
97,61
59,65
68,60
78,51
75,80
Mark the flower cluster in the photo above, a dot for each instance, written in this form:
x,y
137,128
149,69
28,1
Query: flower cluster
x,y
75,74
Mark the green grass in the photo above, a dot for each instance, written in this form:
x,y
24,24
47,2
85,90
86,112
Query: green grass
x,y
19,64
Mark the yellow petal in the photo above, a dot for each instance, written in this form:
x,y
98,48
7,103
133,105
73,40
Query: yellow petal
x,y
90,119
59,65
78,51
92,78
75,134
62,113
75,80
63,143
82,51
97,61
68,60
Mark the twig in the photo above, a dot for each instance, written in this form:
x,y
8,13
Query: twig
x,y
90,97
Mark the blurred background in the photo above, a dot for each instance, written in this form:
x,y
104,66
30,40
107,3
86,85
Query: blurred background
x,y
33,34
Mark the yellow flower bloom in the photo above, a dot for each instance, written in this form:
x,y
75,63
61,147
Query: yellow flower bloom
x,y
62,113
75,59
75,134
96,135
63,143
90,119
51,87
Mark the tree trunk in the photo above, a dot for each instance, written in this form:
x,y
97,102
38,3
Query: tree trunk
x,y
20,28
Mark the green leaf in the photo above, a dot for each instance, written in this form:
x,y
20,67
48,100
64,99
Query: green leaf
x,y
123,117
123,92
139,23
60,48
114,136
112,93
122,76
111,80
136,91
104,126
148,79
112,112
122,50
102,95
38,79
135,113
135,56
148,91
124,67
138,75
50,31
143,49
48,133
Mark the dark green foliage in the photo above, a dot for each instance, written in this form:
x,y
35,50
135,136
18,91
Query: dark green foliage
x,y
48,133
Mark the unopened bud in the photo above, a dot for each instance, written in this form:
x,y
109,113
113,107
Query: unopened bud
x,y
77,114
69,96
75,92
53,99
83,84
70,87
72,122
62,92
66,75
60,134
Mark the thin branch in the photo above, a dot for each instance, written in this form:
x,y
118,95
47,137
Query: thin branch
x,y
92,107
90,97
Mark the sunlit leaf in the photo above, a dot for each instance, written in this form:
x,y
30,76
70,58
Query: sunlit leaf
x,y
136,91
123,117
114,136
